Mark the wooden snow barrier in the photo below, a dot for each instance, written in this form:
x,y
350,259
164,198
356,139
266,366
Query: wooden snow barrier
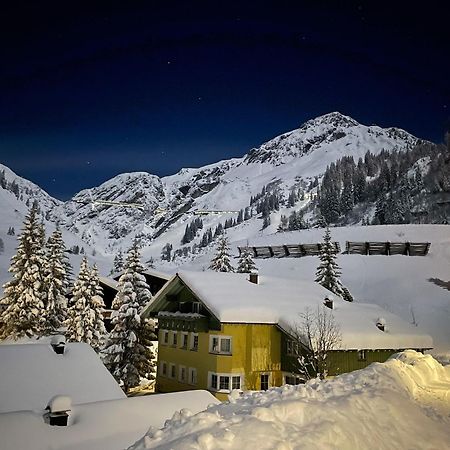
x,y
287,251
387,248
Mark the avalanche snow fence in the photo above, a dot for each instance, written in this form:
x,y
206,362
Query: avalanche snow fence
x,y
388,248
287,251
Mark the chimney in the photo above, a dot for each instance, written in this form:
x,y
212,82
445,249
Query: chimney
x,y
58,344
254,278
58,410
381,324
328,302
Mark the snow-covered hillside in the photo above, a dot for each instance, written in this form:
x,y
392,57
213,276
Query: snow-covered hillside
x,y
401,404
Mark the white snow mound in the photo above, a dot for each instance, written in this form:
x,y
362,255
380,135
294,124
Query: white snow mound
x,y
403,403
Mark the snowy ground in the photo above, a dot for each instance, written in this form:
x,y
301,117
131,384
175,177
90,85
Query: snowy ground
x,y
401,404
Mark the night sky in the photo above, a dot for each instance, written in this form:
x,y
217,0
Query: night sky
x,y
88,92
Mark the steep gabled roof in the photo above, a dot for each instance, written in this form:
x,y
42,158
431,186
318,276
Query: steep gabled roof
x,y
231,298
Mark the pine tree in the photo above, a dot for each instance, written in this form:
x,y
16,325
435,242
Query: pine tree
x,y
246,263
221,261
24,302
117,263
328,273
95,324
2,246
84,318
56,283
128,354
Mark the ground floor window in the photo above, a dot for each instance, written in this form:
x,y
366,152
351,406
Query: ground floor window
x,y
224,382
362,355
192,375
264,381
290,378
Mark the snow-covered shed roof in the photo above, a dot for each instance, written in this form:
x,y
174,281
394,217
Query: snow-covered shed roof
x,y
112,425
109,282
231,298
31,374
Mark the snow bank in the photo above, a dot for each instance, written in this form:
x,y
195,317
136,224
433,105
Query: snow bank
x,y
401,404
112,425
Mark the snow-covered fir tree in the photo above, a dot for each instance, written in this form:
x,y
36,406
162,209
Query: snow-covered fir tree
x,y
56,283
328,272
96,331
23,304
128,354
117,263
84,308
221,261
246,263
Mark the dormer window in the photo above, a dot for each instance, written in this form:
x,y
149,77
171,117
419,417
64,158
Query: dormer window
x,y
381,324
196,307
328,302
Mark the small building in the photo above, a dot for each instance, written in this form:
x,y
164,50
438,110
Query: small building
x,y
32,374
221,331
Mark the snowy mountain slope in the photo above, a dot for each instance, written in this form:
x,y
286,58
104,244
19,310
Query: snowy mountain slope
x,y
287,161
402,403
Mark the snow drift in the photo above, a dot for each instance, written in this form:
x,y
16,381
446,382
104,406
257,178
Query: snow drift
x,y
403,403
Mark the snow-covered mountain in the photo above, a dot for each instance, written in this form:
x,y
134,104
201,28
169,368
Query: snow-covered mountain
x,y
287,161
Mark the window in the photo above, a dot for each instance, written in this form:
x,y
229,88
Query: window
x,y
292,348
163,368
174,338
182,374
194,342
172,371
224,382
214,381
293,379
192,376
165,337
264,381
220,344
236,382
196,307
184,340
362,355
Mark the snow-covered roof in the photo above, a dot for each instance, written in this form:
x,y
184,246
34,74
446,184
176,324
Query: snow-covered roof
x,y
232,298
109,282
32,374
112,425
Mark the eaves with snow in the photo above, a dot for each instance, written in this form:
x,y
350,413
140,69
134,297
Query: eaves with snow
x,y
232,298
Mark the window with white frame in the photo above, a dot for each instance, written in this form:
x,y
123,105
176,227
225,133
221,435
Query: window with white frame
x,y
165,337
184,340
174,338
220,344
264,379
172,372
182,374
292,348
362,355
194,342
224,382
163,368
192,375
196,307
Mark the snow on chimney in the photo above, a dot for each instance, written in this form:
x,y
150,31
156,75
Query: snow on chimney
x,y
328,302
381,323
58,410
58,343
254,278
